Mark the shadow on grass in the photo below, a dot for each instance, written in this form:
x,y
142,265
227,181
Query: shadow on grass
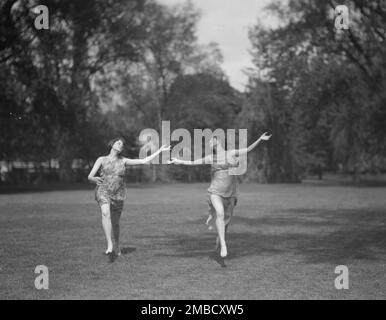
x,y
63,187
215,257
369,183
45,188
128,250
316,236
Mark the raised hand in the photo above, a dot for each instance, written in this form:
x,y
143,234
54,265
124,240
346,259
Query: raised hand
x,y
165,148
265,136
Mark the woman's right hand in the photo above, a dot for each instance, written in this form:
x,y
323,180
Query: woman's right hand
x,y
265,136
174,161
97,180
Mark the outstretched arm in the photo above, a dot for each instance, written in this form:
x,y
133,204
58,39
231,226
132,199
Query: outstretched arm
x,y
94,170
264,137
147,159
206,160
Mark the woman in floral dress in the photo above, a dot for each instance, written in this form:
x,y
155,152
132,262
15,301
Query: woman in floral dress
x,y
110,191
222,192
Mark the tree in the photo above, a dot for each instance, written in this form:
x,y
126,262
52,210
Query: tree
x,y
327,82
200,101
169,52
57,66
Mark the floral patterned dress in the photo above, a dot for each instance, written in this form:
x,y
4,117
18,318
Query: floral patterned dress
x,y
224,185
112,190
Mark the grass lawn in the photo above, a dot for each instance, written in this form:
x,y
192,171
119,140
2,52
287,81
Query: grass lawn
x,y
284,243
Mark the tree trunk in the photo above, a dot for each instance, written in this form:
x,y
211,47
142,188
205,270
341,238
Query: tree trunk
x,y
65,158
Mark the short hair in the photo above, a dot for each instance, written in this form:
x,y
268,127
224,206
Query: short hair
x,y
112,141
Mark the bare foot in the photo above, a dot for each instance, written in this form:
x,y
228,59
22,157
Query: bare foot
x,y
223,252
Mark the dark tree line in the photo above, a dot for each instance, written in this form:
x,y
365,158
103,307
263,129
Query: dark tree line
x,y
320,90
113,67
104,68
48,73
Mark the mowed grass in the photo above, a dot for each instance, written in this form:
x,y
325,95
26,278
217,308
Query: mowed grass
x,y
284,243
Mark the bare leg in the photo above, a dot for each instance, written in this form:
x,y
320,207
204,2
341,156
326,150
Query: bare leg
x,y
227,221
106,224
226,226
115,217
217,243
220,224
116,230
229,213
116,211
210,217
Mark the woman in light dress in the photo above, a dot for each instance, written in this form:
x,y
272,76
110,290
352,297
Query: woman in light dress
x,y
110,191
223,191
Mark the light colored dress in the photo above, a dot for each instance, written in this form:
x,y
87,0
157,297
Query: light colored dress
x,y
224,185
113,189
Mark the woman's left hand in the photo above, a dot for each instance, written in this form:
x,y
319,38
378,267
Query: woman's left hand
x,y
165,148
265,136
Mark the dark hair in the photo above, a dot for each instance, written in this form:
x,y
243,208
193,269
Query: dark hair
x,y
112,141
218,139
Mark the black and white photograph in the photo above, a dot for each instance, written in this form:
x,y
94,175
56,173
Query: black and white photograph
x,y
192,150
